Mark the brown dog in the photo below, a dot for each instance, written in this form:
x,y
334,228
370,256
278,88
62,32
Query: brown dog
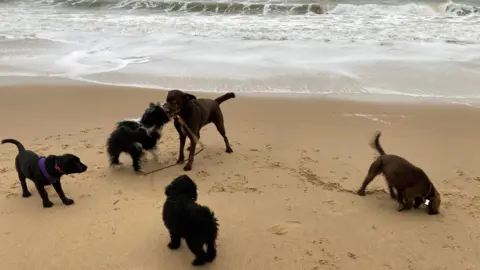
x,y
196,113
411,183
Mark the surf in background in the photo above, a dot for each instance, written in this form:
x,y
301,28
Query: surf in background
x,y
346,48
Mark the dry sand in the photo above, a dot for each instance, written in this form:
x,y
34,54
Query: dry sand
x,y
283,198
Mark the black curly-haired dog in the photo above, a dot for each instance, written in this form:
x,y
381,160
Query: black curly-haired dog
x,y
133,137
44,171
184,218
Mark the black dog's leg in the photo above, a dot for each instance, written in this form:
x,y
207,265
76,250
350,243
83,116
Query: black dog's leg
x,y
211,251
115,159
181,154
43,193
23,183
373,171
58,188
219,123
175,241
196,247
154,154
136,155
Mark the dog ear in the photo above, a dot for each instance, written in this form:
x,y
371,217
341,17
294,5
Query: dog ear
x,y
189,97
151,104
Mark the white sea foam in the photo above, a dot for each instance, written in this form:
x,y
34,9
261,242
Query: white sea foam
x,y
414,50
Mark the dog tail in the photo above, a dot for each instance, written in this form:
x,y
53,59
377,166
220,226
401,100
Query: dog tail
x,y
225,97
19,145
376,143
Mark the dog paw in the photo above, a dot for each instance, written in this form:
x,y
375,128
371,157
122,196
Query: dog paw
x,y
173,246
180,160
198,262
400,208
47,204
229,150
361,192
210,257
26,194
68,202
418,202
187,167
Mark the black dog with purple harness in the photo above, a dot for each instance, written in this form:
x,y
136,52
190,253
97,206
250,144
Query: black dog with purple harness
x,y
44,171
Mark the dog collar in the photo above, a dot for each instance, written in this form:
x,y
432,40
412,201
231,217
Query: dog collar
x,y
43,169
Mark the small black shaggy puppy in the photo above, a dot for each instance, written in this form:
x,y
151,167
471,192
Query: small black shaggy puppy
x,y
133,137
184,218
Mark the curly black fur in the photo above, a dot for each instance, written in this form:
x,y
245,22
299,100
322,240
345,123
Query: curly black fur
x,y
184,218
132,141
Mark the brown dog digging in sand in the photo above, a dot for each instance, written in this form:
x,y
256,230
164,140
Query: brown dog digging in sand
x,y
411,183
196,113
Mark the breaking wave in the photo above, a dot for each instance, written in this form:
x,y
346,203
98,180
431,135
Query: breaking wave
x,y
263,8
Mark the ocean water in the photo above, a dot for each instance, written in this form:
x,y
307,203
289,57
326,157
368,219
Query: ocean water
x,y
388,49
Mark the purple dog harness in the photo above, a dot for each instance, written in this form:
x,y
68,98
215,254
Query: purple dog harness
x,y
50,179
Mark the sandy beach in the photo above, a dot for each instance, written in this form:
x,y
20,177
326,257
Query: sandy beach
x,y
284,198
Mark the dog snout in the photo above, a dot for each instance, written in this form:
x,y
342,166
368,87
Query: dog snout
x,y
83,167
170,109
165,107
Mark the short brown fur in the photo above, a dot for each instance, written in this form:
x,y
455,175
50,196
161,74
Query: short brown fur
x,y
196,113
411,183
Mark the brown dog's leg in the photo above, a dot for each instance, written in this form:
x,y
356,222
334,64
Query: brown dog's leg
x,y
431,210
418,202
392,192
191,154
400,196
188,148
219,123
373,171
181,154
406,199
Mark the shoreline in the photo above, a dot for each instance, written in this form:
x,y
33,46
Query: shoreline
x,y
352,97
